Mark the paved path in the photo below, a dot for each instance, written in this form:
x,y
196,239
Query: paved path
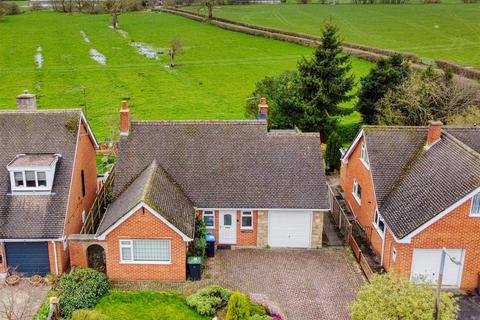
x,y
306,284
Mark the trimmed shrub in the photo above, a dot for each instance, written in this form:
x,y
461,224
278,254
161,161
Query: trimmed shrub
x,y
257,309
259,317
208,300
84,314
238,307
81,289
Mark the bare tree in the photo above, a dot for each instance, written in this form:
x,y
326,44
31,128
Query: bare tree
x,y
117,7
16,303
176,47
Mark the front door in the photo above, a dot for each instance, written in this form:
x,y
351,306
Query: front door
x,y
228,227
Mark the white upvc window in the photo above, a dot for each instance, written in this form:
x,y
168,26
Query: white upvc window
x,y
145,251
475,210
209,219
379,223
30,180
357,191
364,156
246,221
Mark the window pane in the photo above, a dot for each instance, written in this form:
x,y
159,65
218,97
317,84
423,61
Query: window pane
x,y
42,179
381,225
227,220
126,253
359,191
18,179
246,221
151,250
476,204
30,177
209,222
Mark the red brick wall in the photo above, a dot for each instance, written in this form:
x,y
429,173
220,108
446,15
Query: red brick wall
x,y
244,237
365,212
78,251
456,230
144,225
3,264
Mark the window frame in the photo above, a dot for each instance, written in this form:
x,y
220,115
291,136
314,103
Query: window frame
x,y
476,197
394,254
130,245
242,214
355,193
37,187
364,156
377,218
210,213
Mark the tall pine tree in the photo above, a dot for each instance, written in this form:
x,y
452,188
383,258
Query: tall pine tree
x,y
325,82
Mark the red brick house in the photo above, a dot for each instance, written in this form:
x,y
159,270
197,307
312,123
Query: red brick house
x,y
49,179
416,190
251,187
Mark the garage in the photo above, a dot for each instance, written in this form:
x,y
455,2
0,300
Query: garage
x,y
426,265
289,229
28,258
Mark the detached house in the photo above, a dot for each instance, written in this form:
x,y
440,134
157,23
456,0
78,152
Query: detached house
x,y
416,190
251,187
47,183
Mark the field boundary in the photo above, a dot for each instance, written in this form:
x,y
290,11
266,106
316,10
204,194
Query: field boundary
x,y
360,51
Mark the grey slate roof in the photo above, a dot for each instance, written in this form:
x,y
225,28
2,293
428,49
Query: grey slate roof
x,y
154,187
228,164
469,136
412,184
36,132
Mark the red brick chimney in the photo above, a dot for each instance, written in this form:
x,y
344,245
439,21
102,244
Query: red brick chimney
x,y
263,110
434,132
124,119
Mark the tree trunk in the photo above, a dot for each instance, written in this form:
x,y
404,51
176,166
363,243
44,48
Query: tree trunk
x,y
172,58
115,20
210,10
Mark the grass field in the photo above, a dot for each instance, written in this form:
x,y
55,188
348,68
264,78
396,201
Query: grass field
x,y
215,76
146,305
435,31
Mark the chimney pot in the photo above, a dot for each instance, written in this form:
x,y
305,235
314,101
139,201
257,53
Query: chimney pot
x,y
26,101
434,132
124,119
263,110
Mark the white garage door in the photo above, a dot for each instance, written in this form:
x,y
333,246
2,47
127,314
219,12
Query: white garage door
x,y
289,229
426,266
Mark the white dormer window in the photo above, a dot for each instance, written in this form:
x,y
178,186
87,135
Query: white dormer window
x,y
364,155
475,210
32,173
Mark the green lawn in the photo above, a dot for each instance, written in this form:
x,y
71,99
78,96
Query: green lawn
x,y
215,76
437,31
146,305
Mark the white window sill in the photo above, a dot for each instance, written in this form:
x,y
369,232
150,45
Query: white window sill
x,y
474,215
359,201
246,228
380,233
365,164
146,262
30,193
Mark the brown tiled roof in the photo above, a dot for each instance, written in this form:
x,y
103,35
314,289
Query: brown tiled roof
x,y
412,184
35,132
154,187
228,164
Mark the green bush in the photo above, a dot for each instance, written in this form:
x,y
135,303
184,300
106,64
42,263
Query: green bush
x,y
81,289
9,8
257,309
209,299
238,307
259,317
84,314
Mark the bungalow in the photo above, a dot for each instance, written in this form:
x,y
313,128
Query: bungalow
x,y
416,190
251,187
47,182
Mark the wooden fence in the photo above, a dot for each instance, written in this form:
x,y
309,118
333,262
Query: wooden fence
x,y
99,206
345,226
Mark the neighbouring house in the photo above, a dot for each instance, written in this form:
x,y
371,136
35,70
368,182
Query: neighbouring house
x,y
416,190
48,181
250,186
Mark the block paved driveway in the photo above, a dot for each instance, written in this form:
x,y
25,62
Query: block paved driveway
x,y
305,284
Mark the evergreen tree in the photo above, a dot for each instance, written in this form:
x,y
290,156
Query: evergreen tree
x,y
332,154
325,81
388,74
